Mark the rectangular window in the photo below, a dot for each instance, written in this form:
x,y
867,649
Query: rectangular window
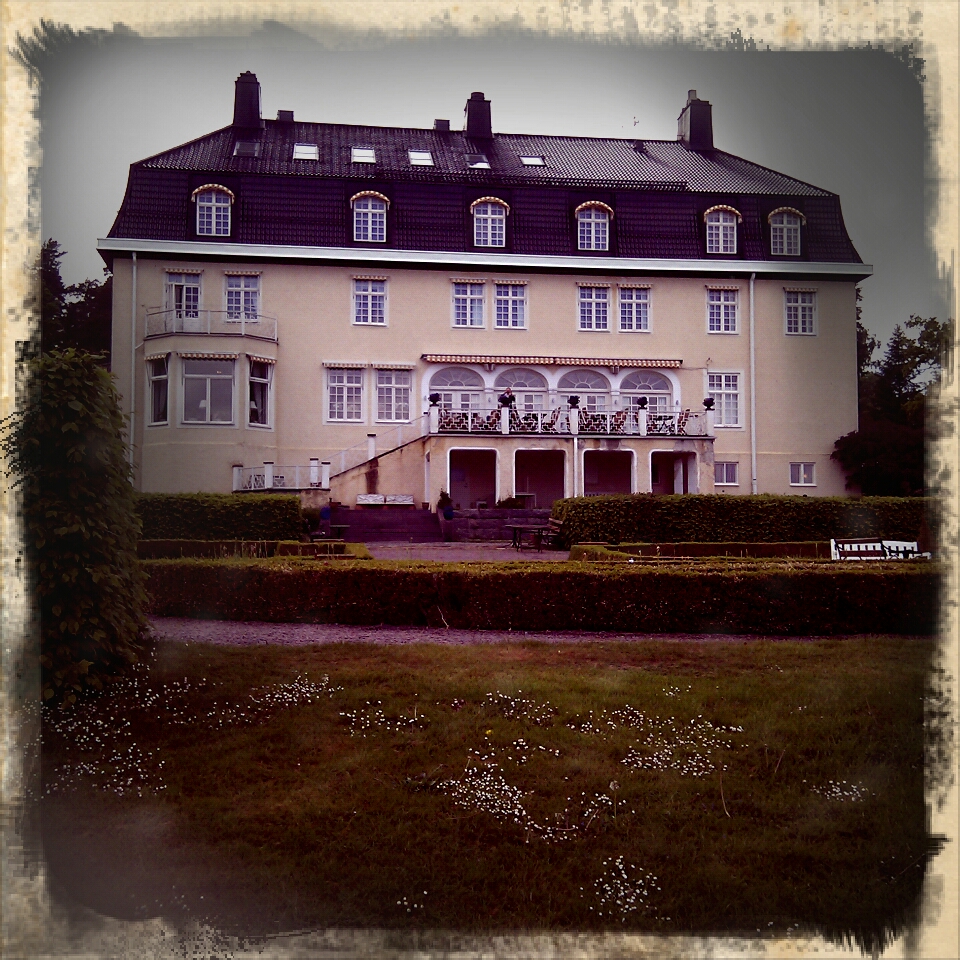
x,y
158,370
247,148
259,393
363,155
801,475
306,151
345,389
420,158
532,161
243,298
634,309
724,388
511,305
722,311
393,394
207,391
183,294
459,401
801,311
477,161
725,474
593,308
468,304
370,220
370,301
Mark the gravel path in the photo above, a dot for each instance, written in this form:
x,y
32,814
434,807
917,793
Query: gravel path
x,y
244,634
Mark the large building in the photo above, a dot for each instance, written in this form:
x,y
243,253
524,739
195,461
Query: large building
x,y
379,310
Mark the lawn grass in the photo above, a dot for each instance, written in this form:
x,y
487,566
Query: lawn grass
x,y
484,788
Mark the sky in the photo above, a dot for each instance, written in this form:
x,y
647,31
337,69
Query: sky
x,y
850,122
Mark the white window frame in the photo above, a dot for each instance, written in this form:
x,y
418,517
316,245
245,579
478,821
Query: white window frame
x,y
186,376
490,223
804,469
350,390
214,216
392,395
593,227
369,218
267,382
593,308
369,302
720,319
510,305
529,161
726,464
363,155
181,303
154,381
800,313
721,230
242,296
477,161
420,158
306,151
636,297
463,304
785,233
718,390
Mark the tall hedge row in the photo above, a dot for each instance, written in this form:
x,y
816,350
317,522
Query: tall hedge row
x,y
762,598
721,518
219,516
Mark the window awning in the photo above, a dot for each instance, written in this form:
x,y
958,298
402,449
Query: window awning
x,y
209,356
621,362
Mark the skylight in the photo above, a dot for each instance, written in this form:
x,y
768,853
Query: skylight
x,y
306,151
420,158
477,161
532,161
363,155
247,148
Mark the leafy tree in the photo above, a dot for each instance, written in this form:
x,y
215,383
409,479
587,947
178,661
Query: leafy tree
x,y
66,451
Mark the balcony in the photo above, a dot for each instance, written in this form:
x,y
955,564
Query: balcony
x,y
220,323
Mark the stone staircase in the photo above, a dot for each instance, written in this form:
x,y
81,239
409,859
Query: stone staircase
x,y
388,525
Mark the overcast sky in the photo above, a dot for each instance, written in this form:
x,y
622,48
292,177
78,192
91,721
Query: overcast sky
x,y
849,122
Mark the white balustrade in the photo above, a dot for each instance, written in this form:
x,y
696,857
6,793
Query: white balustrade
x,y
212,323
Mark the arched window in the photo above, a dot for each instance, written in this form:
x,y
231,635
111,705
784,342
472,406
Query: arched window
x,y
370,216
459,388
528,386
785,232
593,226
722,229
213,210
489,222
647,384
591,387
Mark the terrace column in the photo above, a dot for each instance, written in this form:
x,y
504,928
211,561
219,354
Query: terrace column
x,y
267,474
504,420
314,471
574,418
371,445
237,477
642,422
678,474
434,418
325,475
711,423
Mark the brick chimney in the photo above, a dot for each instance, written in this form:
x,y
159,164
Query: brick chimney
x,y
695,123
478,125
246,102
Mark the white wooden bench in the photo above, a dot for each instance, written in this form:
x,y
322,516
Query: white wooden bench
x,y
873,548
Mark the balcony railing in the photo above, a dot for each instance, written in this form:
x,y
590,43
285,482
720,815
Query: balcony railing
x,y
211,322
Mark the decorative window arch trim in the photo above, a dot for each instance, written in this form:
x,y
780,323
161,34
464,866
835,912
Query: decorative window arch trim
x,y
793,210
502,203
724,208
213,186
369,193
595,203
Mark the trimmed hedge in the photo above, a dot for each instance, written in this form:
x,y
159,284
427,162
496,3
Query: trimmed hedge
x,y
219,516
216,549
809,598
810,549
717,518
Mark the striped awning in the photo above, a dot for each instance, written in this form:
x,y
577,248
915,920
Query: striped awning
x,y
209,356
621,362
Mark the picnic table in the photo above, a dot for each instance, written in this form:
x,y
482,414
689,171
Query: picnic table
x,y
536,533
339,529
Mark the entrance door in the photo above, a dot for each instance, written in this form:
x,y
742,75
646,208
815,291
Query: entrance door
x,y
473,478
670,473
606,471
539,472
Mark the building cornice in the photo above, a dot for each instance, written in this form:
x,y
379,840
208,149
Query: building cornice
x,y
108,248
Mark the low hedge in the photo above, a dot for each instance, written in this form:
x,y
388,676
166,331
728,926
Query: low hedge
x,y
809,549
219,516
720,518
811,598
217,549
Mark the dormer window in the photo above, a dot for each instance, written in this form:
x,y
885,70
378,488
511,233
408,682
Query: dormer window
x,y
532,161
593,226
477,161
785,232
363,155
489,222
370,216
420,158
722,229
246,148
213,210
306,151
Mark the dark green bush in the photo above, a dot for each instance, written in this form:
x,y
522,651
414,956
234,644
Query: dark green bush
x,y
716,518
67,452
812,598
220,516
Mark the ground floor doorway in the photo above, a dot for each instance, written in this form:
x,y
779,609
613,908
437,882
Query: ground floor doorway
x,y
473,478
672,473
607,472
539,472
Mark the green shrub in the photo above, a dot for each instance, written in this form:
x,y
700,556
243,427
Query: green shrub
x,y
220,516
716,518
796,597
67,452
